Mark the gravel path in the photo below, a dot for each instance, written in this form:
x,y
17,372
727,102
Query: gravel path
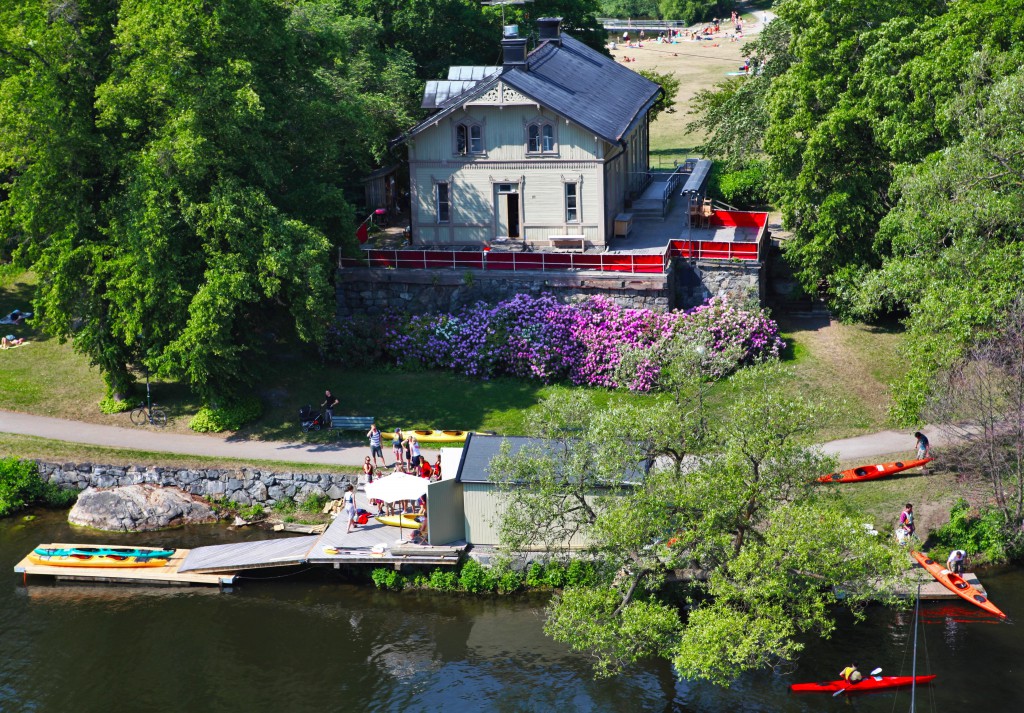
x,y
148,439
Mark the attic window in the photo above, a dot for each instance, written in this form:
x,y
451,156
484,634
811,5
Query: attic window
x,y
540,138
469,139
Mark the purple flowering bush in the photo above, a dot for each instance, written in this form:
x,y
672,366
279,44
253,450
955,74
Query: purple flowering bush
x,y
544,339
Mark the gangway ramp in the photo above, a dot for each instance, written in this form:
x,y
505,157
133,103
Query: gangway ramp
x,y
250,555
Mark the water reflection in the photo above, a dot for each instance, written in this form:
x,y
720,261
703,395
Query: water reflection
x,y
318,644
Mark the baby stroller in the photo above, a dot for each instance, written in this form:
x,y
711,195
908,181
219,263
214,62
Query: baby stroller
x,y
311,420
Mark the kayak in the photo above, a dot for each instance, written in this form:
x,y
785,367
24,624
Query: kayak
x,y
872,683
407,521
871,472
431,436
957,584
139,552
108,561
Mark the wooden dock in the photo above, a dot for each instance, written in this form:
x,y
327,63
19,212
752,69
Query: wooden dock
x,y
931,589
169,574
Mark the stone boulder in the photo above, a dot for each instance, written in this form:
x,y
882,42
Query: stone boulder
x,y
137,508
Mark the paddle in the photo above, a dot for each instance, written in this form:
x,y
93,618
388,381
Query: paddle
x,y
843,690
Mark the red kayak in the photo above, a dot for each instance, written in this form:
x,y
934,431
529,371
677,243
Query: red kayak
x,y
867,685
871,472
956,584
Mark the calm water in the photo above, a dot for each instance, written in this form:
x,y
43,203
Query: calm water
x,y
319,645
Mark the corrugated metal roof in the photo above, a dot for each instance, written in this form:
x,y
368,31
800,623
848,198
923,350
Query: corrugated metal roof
x,y
474,73
584,86
571,79
441,90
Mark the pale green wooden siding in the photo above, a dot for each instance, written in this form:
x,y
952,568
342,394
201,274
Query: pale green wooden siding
x,y
604,187
482,504
445,523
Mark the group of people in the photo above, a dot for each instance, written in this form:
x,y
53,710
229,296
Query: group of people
x,y
17,318
406,450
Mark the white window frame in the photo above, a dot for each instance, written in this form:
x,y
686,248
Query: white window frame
x,y
572,202
464,132
446,187
546,137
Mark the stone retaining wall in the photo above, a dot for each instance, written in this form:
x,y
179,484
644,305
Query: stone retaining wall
x,y
246,486
377,291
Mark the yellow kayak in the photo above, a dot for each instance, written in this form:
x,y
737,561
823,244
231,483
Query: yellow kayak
x,y
430,436
108,561
407,521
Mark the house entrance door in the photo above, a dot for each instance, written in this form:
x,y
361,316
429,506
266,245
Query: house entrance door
x,y
506,209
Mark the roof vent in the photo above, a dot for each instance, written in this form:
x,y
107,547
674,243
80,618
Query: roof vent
x,y
513,52
550,29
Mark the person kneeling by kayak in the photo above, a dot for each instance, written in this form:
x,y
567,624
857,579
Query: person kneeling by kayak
x,y
850,674
955,561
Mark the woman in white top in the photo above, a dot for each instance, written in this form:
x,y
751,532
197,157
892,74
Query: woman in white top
x,y
350,507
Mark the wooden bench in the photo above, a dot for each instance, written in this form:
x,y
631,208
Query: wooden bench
x,y
352,423
568,243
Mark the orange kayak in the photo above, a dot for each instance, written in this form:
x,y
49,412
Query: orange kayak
x,y
956,584
871,472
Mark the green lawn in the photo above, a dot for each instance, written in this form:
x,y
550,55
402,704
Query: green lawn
x,y
848,366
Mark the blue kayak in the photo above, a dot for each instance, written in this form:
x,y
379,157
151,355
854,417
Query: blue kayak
x,y
138,553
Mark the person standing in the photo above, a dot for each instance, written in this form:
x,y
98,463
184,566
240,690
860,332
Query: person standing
x,y
924,448
955,561
407,449
330,401
906,527
396,447
414,448
350,507
375,446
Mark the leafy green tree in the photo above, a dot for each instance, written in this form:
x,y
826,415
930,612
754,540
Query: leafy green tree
x,y
669,84
176,172
730,511
630,8
690,11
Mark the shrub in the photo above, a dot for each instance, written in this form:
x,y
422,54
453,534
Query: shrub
x,y
54,496
285,506
535,575
509,581
20,484
541,338
746,187
554,574
230,417
475,578
251,512
444,579
978,532
387,579
112,405
421,581
579,574
315,503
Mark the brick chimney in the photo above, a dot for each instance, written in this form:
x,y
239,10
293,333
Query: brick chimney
x,y
513,52
550,29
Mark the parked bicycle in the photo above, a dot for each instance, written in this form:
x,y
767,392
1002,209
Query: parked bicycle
x,y
141,415
147,412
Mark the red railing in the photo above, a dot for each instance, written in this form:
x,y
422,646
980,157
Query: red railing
x,y
601,262
709,250
434,259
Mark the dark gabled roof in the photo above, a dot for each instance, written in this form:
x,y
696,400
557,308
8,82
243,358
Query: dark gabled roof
x,y
479,449
584,86
474,467
572,80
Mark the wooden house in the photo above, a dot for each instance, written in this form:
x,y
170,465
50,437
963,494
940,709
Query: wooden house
x,y
545,150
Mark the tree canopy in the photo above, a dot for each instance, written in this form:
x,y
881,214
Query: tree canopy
x,y
887,133
722,517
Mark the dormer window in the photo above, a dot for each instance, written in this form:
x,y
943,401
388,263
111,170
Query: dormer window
x,y
469,139
540,138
